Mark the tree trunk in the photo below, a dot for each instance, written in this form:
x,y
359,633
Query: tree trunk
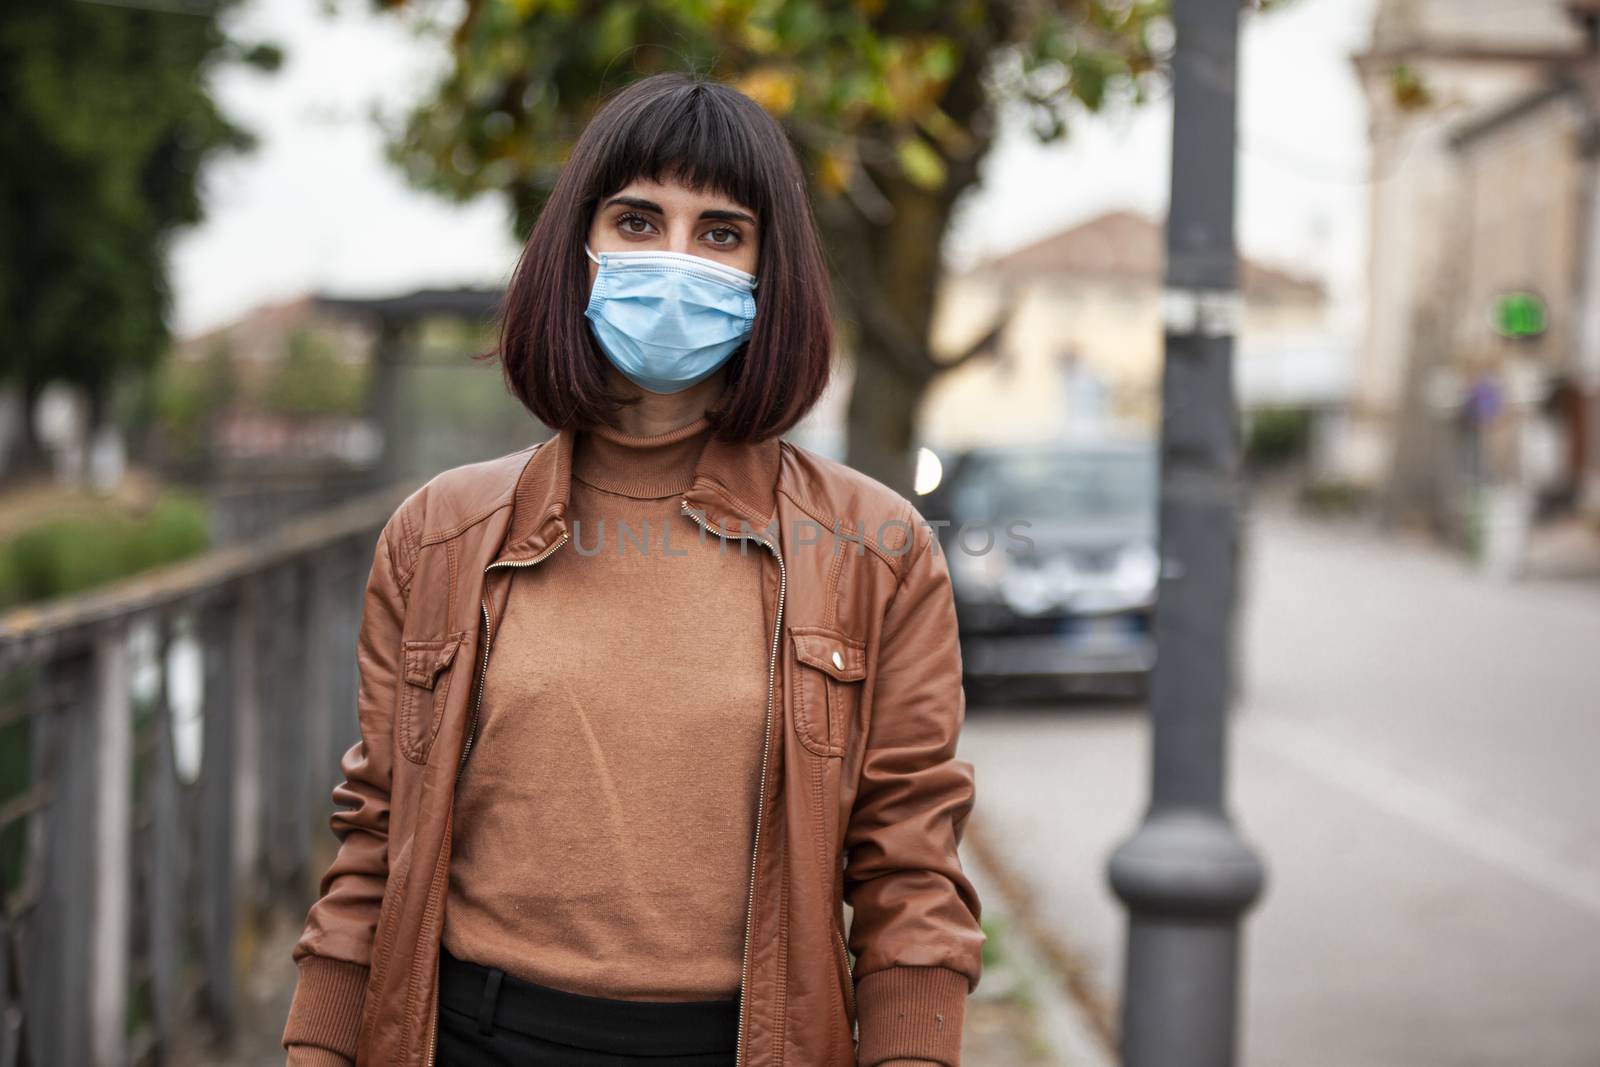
x,y
29,459
881,422
888,282
886,250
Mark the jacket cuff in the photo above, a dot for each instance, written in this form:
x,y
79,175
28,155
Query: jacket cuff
x,y
910,1013
312,1056
326,1010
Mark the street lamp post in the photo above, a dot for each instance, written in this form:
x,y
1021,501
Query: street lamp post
x,y
1186,876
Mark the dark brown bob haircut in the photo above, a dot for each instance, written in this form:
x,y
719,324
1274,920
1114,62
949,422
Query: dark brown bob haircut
x,y
708,136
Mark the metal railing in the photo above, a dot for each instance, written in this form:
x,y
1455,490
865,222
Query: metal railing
x,y
167,748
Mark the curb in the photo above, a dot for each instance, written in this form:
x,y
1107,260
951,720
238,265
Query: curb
x,y
1078,1034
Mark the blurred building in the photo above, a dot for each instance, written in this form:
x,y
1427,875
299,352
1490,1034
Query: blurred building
x,y
259,338
1480,369
1082,350
284,383
295,405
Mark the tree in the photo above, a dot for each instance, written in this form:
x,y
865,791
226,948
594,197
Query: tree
x,y
892,107
108,120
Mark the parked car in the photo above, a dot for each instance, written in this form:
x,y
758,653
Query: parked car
x,y
1053,560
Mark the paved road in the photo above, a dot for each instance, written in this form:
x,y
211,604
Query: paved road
x,y
1416,756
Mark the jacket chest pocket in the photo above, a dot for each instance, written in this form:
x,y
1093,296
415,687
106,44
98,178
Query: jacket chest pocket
x,y
424,684
828,678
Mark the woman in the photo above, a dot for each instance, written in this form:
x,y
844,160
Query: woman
x,y
725,695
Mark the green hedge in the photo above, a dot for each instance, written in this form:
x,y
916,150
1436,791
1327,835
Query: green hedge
x,y
73,553
1275,436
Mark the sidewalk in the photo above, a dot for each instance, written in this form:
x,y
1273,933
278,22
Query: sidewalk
x,y
263,1007
1414,758
1032,1005
1565,550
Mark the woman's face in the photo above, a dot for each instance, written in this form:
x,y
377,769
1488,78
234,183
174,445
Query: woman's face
x,y
668,217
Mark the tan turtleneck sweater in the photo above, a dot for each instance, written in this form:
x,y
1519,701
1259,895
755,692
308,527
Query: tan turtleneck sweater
x,y
604,822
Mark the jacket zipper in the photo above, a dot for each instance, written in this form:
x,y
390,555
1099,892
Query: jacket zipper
x,y
472,732
849,978
761,790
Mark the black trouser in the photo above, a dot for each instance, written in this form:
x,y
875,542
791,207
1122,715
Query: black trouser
x,y
488,1018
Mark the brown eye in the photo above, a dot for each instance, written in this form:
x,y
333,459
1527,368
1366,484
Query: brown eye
x,y
625,218
730,231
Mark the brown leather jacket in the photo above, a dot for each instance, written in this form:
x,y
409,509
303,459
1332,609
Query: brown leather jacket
x,y
863,798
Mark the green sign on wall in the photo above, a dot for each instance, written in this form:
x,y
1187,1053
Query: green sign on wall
x,y
1519,315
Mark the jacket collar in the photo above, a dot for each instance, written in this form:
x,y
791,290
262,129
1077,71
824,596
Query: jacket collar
x,y
734,483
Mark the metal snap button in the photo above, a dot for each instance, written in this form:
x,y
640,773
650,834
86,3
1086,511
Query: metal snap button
x,y
838,660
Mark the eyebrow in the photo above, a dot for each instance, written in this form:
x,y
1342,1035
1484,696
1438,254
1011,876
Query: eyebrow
x,y
710,213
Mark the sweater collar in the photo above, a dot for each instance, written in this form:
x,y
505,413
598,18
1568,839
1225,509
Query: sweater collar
x,y
734,488
642,466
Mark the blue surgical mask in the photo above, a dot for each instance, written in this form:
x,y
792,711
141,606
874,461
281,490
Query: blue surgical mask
x,y
668,320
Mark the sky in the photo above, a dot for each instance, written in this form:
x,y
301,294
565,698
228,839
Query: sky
x,y
316,206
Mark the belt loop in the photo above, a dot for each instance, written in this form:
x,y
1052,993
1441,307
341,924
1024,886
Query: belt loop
x,y
491,993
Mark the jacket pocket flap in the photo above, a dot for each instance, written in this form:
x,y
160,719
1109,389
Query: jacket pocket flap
x,y
425,658
844,659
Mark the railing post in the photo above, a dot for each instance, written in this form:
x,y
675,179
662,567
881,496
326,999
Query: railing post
x,y
57,942
112,766
354,558
219,773
11,1018
322,645
169,858
248,760
282,635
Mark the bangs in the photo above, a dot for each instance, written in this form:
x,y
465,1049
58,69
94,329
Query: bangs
x,y
691,137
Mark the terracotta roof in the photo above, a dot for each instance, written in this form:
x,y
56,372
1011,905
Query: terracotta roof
x,y
255,335
1128,246
258,334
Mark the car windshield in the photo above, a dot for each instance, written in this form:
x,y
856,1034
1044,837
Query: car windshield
x,y
1079,485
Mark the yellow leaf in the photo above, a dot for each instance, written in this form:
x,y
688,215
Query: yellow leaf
x,y
771,88
920,163
834,173
942,128
757,38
